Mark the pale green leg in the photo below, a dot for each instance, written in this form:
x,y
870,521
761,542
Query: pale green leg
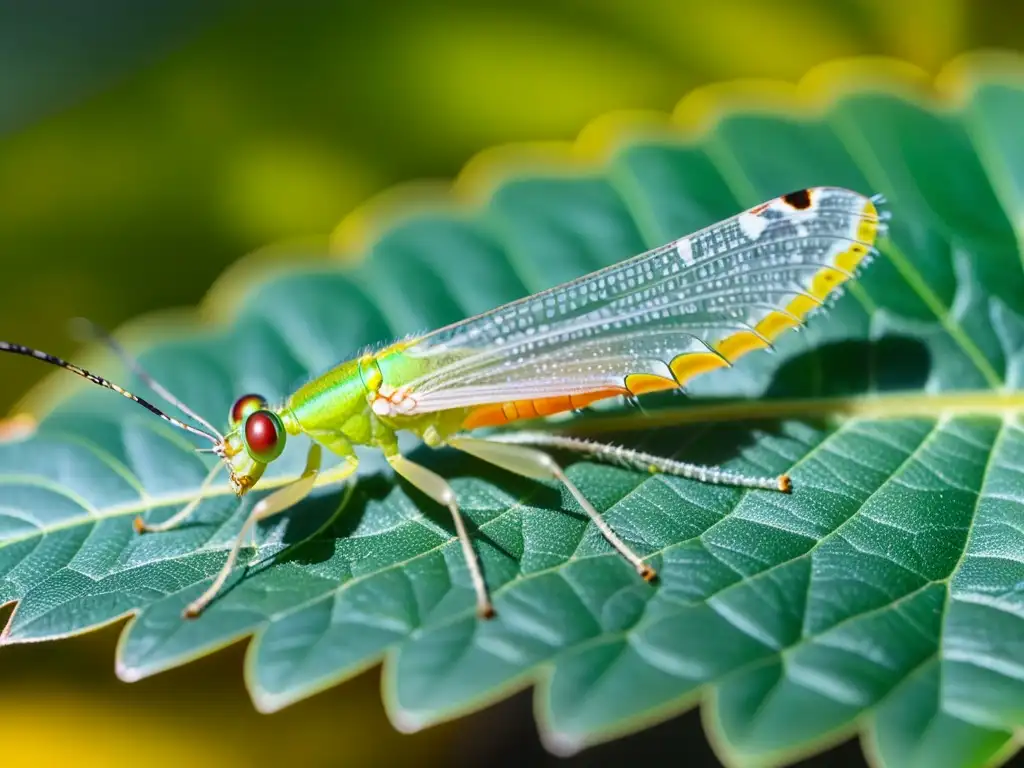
x,y
277,502
645,462
141,526
537,465
437,488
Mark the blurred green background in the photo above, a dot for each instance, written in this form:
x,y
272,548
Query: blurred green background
x,y
145,146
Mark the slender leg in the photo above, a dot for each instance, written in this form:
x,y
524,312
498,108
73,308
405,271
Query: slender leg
x,y
438,489
141,526
282,499
535,464
646,462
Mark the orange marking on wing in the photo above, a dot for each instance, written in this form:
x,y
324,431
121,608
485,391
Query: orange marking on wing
x,y
822,284
496,414
640,383
775,323
545,406
485,416
526,409
850,258
739,344
826,281
686,366
801,305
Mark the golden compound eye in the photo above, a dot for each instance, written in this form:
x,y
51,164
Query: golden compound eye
x,y
244,406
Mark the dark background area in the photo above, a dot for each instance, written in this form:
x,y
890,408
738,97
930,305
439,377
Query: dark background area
x,y
147,146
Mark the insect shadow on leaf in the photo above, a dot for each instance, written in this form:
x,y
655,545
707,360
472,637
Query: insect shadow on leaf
x,y
853,367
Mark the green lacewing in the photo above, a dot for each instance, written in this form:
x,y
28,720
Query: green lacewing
x,y
652,322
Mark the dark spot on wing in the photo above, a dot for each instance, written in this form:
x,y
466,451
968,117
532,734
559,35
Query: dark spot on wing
x,y
801,199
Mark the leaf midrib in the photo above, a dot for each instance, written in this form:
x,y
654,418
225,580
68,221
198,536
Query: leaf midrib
x,y
994,403
628,636
1000,403
861,154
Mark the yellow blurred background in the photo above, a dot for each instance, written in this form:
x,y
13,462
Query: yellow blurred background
x,y
145,146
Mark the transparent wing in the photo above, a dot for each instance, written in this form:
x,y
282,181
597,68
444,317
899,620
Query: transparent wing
x,y
650,322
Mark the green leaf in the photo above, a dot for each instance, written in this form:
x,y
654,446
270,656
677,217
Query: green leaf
x,y
883,596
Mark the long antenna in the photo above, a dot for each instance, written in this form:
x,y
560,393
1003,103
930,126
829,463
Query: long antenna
x,y
89,328
18,349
